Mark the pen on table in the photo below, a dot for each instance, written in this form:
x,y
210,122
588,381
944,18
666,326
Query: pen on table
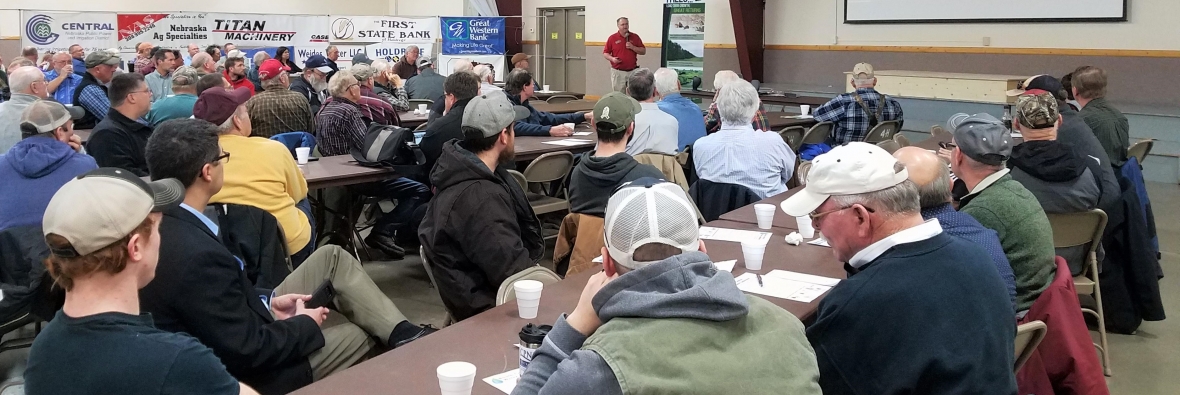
x,y
759,277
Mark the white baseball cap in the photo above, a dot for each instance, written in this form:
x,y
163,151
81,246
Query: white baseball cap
x,y
849,169
647,211
101,207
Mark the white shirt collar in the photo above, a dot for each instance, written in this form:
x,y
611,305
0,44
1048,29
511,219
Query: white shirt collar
x,y
926,230
988,181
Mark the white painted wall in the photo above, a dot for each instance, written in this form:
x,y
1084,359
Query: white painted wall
x,y
426,7
646,18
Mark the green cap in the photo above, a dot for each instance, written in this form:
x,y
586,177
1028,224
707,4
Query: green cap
x,y
614,112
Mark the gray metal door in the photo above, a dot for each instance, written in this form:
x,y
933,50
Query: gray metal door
x,y
563,49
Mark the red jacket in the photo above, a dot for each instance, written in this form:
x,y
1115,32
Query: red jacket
x,y
242,83
1066,361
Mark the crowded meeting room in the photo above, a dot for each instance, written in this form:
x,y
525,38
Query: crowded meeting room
x,y
481,197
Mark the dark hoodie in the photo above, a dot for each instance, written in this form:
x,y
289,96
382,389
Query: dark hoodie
x,y
595,178
31,172
683,287
1056,174
479,230
1074,131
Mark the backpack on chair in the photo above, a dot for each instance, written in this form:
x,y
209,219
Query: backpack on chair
x,y
390,146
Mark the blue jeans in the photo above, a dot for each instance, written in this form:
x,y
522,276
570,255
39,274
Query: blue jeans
x,y
298,257
409,194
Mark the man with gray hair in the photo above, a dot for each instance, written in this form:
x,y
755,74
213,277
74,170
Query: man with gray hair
x,y
91,94
28,85
407,66
389,86
655,131
687,113
656,281
739,154
902,270
981,146
487,77
180,103
933,179
62,79
713,122
252,75
857,112
375,108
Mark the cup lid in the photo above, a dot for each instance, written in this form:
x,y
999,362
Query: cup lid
x,y
456,370
534,334
528,285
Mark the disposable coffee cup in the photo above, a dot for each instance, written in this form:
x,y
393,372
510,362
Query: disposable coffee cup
x,y
765,214
752,252
805,228
456,378
422,108
301,154
804,109
528,297
569,125
545,88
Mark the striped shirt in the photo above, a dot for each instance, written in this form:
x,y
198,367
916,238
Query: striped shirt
x,y
339,127
741,155
277,111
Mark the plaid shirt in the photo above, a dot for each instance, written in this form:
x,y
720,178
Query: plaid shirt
x,y
852,123
95,101
279,111
395,96
713,121
339,127
375,110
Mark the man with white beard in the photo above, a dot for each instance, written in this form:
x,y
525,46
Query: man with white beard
x,y
314,81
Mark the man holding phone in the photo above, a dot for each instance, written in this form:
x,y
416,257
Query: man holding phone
x,y
622,50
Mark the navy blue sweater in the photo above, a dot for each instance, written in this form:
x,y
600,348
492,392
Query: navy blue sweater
x,y
930,317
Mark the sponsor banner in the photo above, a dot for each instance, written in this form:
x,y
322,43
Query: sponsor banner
x,y
393,52
447,63
375,29
259,30
175,30
472,36
683,49
57,31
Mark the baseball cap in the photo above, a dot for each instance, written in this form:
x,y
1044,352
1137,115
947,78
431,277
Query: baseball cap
x,y
981,137
185,76
849,169
217,105
96,58
103,206
1036,109
424,61
519,57
318,62
271,68
491,113
616,111
647,211
237,53
361,58
48,115
1043,82
362,71
862,68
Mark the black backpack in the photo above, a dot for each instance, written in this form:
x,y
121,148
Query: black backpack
x,y
390,146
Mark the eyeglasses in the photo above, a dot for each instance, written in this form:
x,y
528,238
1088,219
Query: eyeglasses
x,y
354,85
947,146
817,216
223,158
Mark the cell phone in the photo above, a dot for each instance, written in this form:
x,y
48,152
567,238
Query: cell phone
x,y
322,297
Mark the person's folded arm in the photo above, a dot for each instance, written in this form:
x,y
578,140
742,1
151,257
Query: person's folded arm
x,y
524,128
559,367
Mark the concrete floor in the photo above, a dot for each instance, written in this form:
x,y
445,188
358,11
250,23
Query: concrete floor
x,y
1143,364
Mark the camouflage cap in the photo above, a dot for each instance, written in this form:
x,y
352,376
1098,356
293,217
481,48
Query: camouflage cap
x,y
1036,109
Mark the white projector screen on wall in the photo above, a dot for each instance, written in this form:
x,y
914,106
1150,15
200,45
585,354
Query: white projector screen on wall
x,y
961,11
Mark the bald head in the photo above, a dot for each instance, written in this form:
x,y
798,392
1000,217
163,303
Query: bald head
x,y
929,173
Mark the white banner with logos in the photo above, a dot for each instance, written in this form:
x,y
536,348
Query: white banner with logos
x,y
393,52
57,31
375,29
447,63
176,30
259,30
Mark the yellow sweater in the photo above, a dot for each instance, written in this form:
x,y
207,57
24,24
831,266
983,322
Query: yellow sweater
x,y
262,173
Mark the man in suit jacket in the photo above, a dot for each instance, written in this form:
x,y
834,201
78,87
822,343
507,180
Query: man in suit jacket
x,y
267,338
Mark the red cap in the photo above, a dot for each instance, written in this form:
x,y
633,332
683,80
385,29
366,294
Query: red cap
x,y
217,105
271,68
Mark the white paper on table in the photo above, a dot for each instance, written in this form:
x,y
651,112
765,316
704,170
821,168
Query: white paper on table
x,y
780,288
734,235
579,141
802,116
504,381
804,277
1017,135
725,265
820,242
582,133
563,143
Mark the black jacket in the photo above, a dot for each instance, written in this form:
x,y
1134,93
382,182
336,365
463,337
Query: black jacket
x,y
298,84
448,127
254,235
1057,174
594,179
201,289
120,142
1130,273
1075,132
715,198
478,231
22,251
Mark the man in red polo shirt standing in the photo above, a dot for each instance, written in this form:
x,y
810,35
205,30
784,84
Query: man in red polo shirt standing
x,y
622,50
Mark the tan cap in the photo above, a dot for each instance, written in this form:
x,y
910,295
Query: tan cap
x,y
862,68
519,57
103,206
